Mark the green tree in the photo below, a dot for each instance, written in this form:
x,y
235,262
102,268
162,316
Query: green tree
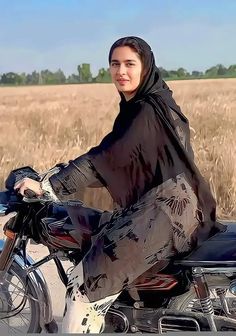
x,y
231,71
47,77
164,73
85,75
173,73
221,70
23,78
73,79
196,73
212,72
103,76
11,78
216,71
59,77
181,72
33,78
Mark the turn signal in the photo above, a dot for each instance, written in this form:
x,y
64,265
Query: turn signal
x,y
10,234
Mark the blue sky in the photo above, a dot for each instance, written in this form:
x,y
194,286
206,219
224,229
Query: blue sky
x,y
36,35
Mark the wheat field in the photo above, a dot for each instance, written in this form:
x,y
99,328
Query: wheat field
x,y
44,125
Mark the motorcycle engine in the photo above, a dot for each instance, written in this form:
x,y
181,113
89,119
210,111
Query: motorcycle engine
x,y
116,322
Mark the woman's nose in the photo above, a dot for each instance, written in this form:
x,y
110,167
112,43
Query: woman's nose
x,y
121,69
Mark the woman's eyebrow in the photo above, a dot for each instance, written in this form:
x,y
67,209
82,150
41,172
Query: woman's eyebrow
x,y
128,60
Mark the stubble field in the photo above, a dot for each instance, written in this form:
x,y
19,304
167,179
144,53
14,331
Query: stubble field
x,y
44,125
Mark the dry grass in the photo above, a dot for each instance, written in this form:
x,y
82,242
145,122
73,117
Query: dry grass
x,y
41,126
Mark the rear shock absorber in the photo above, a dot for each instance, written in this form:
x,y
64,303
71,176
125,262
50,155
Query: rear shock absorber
x,y
203,295
221,293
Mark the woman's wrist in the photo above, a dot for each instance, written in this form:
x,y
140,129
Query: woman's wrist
x,y
47,189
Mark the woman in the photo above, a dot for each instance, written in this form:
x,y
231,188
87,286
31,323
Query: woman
x,y
146,163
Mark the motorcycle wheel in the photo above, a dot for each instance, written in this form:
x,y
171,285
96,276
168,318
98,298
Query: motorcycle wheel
x,y
189,302
19,308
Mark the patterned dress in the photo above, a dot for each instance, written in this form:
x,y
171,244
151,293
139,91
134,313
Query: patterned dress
x,y
165,206
167,220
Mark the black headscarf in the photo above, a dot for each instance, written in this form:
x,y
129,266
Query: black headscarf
x,y
152,82
147,146
143,149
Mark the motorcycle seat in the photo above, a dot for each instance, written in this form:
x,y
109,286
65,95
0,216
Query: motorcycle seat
x,y
219,250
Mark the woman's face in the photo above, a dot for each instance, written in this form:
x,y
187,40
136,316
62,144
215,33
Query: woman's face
x,y
126,70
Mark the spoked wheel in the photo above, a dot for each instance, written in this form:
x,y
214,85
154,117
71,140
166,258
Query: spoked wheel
x,y
189,302
19,308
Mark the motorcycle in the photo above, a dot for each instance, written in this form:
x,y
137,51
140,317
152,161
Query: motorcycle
x,y
192,293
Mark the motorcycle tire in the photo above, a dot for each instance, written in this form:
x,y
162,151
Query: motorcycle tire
x,y
7,320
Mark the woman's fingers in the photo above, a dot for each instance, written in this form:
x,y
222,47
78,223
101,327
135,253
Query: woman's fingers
x,y
21,186
21,183
28,183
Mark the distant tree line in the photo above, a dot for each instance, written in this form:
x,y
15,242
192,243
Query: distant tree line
x,y
84,75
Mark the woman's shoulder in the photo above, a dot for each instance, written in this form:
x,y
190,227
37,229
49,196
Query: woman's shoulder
x,y
145,110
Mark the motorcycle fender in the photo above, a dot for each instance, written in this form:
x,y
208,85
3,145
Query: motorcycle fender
x,y
40,286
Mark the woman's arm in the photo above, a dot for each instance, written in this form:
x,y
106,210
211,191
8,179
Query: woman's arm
x,y
60,182
73,178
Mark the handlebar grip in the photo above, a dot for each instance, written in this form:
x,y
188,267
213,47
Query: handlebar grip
x,y
30,193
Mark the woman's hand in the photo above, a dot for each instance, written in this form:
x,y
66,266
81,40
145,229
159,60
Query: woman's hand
x,y
27,183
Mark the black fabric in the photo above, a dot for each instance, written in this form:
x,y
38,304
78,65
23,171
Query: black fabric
x,y
74,178
143,149
146,163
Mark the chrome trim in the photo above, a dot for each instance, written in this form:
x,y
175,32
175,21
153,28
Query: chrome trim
x,y
40,286
122,316
202,263
218,270
217,280
175,327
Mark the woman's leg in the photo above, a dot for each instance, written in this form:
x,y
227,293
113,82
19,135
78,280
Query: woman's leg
x,y
81,315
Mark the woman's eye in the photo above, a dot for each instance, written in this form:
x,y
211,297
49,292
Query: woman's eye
x,y
114,64
130,64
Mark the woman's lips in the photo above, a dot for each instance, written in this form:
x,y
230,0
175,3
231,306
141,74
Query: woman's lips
x,y
122,81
